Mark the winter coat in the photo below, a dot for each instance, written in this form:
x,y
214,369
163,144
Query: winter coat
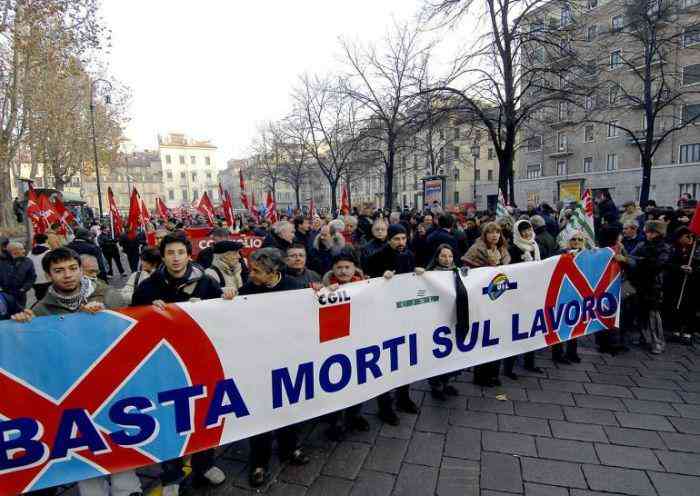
x,y
206,257
36,256
304,239
421,249
304,278
161,286
226,276
649,263
108,244
17,276
675,275
547,243
50,305
442,237
369,249
631,244
127,292
389,259
320,257
478,255
131,245
364,227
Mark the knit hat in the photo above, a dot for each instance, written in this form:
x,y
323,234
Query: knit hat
x,y
226,246
656,226
537,221
395,229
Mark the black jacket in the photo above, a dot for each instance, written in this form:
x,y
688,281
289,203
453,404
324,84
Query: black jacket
x,y
206,257
320,260
8,306
130,245
547,243
364,227
161,286
17,276
82,247
305,278
389,259
369,249
421,249
108,244
649,263
304,239
285,284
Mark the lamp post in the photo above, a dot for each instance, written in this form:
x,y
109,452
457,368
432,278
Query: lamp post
x,y
94,137
476,152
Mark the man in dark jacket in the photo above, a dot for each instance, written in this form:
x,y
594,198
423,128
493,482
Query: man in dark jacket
x,y
631,236
394,258
364,222
110,249
132,249
17,274
649,262
281,236
179,280
302,232
84,244
296,267
442,235
547,243
206,256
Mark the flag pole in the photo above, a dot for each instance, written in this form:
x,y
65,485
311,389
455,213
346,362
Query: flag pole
x,y
685,277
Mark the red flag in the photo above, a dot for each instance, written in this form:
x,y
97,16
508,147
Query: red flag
x,y
117,224
312,208
65,216
162,210
271,205
254,209
344,202
206,208
244,196
46,212
227,206
695,221
135,217
34,212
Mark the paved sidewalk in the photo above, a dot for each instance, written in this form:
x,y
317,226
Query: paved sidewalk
x,y
611,425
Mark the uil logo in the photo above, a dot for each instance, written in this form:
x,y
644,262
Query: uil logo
x,y
499,285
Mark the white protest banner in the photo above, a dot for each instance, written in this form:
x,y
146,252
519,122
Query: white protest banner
x,y
87,395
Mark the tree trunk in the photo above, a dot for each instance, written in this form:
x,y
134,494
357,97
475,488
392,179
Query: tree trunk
x,y
389,176
296,194
334,193
646,180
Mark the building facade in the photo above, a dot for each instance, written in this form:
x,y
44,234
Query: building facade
x,y
585,144
189,169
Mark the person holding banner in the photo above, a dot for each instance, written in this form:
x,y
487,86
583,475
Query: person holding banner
x,y
179,280
226,267
267,276
394,258
490,250
680,306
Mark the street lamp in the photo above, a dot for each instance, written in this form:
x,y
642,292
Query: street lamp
x,y
94,138
476,152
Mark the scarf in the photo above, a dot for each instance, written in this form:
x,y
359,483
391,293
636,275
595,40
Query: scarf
x,y
528,246
78,298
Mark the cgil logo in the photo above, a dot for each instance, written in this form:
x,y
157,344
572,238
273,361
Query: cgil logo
x,y
499,285
333,315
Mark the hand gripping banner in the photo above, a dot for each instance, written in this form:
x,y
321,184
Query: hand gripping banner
x,y
88,395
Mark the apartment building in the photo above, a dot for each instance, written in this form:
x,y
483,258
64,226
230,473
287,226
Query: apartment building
x,y
584,144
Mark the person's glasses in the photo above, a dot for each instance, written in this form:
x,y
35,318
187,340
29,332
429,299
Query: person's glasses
x,y
576,239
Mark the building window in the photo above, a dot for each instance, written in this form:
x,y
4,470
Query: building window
x,y
183,176
616,23
171,194
615,59
207,160
209,175
565,16
612,95
455,153
477,175
592,4
588,164
193,160
184,195
489,175
588,134
182,160
612,129
537,26
562,142
534,171
561,167
689,153
563,110
456,133
691,35
690,3
534,144
195,195
590,102
691,74
169,175
612,162
456,176
456,197
691,113
168,160
693,189
592,32
194,176
538,54
491,154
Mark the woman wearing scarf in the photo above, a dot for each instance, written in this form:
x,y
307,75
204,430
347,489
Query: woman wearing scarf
x,y
523,249
490,250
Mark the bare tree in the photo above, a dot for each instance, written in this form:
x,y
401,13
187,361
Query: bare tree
x,y
294,136
331,118
514,70
383,80
638,87
269,156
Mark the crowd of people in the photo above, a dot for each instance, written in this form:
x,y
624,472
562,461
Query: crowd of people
x,y
652,245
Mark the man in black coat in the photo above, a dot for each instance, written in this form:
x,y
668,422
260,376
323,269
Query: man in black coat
x,y
302,232
393,259
17,274
84,244
179,280
442,235
206,256
132,249
110,249
546,242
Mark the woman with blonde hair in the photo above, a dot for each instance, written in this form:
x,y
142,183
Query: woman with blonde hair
x,y
490,250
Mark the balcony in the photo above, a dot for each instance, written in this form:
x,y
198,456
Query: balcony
x,y
561,152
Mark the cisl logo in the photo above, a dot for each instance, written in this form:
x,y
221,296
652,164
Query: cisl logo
x,y
333,315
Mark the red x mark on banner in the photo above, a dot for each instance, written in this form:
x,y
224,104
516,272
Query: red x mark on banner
x,y
566,268
151,327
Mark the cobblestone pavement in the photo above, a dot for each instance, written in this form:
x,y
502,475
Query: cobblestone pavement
x,y
628,424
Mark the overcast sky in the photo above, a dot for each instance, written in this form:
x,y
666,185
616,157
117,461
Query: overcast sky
x,y
214,69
